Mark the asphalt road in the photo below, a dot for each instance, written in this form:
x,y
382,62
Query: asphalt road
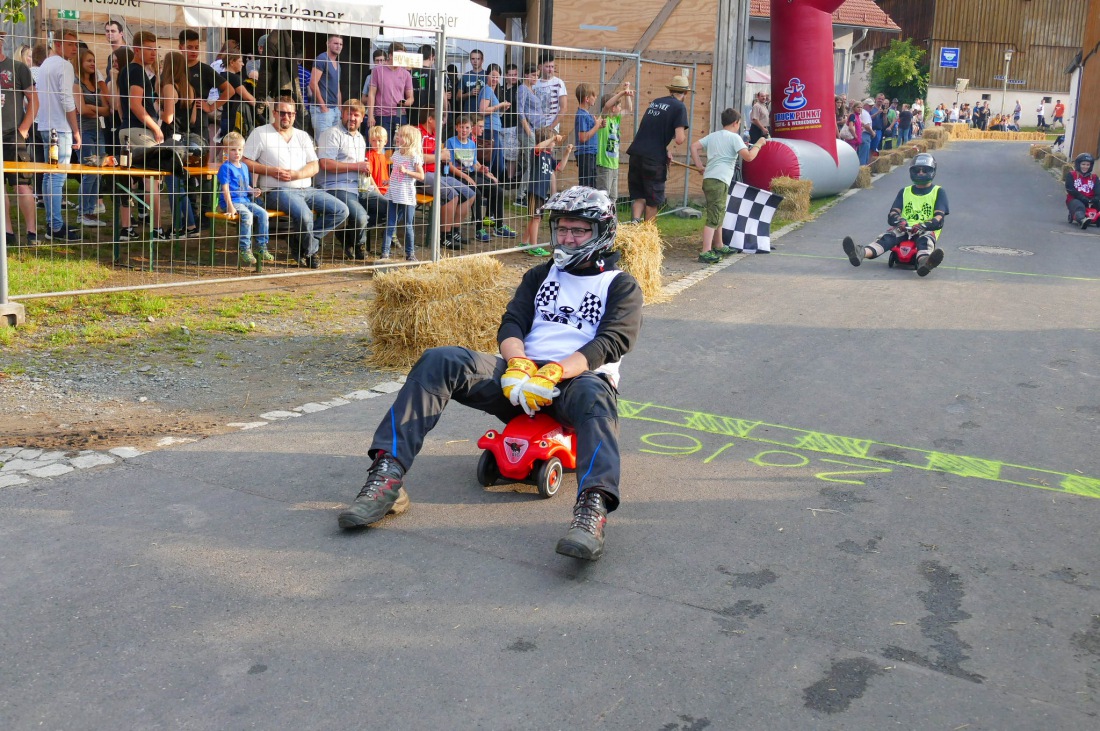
x,y
853,499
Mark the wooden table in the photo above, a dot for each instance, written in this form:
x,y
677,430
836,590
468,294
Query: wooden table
x,y
114,173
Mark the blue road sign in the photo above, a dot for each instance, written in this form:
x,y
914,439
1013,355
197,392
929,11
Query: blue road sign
x,y
949,58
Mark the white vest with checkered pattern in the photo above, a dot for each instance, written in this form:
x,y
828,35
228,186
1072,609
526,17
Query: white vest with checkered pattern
x,y
568,311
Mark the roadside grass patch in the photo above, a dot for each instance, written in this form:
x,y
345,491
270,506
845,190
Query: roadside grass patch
x,y
33,274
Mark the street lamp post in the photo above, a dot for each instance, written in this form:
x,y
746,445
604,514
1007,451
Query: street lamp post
x,y
1004,91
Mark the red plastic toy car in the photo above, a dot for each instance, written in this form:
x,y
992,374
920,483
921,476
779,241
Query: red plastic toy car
x,y
528,445
904,252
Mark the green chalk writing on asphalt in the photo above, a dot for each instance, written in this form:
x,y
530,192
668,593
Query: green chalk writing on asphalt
x,y
849,447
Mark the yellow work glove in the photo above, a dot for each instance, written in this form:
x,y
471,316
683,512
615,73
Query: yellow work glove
x,y
539,390
519,372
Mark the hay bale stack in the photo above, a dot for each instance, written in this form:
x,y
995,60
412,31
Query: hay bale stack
x,y
1053,159
934,143
909,151
863,177
641,253
1037,150
920,146
936,133
880,164
455,302
959,130
897,157
796,197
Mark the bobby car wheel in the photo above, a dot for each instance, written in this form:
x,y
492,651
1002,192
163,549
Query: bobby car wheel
x,y
487,470
549,477
893,260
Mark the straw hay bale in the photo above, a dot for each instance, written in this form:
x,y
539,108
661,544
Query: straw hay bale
x,y
641,254
955,129
934,143
938,133
863,177
909,151
1053,159
796,197
920,146
454,302
1037,150
880,164
896,157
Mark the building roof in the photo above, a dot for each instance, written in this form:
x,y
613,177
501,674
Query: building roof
x,y
854,13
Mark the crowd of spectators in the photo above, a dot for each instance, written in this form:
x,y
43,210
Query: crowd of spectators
x,y
319,150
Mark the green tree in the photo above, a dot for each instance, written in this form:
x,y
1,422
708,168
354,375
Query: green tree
x,y
15,11
900,72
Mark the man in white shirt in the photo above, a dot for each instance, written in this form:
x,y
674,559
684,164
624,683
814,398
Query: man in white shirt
x,y
1041,112
284,161
550,90
57,112
342,156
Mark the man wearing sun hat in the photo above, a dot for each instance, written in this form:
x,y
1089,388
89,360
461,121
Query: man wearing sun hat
x,y
665,120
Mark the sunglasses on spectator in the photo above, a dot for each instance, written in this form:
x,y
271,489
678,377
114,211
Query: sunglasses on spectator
x,y
282,113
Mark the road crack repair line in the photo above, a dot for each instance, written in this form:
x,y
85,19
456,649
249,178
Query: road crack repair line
x,y
865,449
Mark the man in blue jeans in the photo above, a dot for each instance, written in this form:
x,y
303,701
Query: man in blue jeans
x,y
57,113
284,162
868,132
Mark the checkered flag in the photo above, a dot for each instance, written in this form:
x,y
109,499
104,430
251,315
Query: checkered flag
x,y
591,309
748,222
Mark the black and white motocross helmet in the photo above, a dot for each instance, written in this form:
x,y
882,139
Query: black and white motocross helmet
x,y
1084,157
923,169
586,204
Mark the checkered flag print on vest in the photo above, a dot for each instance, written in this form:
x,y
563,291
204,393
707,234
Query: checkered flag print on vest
x,y
748,222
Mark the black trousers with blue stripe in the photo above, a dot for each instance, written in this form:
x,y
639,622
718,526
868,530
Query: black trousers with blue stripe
x,y
588,404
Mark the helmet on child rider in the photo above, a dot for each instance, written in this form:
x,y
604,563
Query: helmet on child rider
x,y
586,204
1084,157
923,169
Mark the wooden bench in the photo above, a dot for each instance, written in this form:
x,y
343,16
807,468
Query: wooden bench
x,y
218,216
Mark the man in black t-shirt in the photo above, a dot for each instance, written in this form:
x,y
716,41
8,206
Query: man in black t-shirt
x,y
665,121
17,111
203,80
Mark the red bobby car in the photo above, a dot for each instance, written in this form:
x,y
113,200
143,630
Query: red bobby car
x,y
904,252
528,445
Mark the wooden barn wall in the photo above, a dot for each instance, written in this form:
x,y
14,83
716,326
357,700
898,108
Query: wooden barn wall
x,y
914,18
1045,33
1087,116
690,27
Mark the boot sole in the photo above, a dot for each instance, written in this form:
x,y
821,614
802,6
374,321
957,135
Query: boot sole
x,y
930,263
849,247
350,519
576,550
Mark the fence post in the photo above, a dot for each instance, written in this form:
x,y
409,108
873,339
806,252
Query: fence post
x,y
440,98
603,74
691,128
637,90
11,313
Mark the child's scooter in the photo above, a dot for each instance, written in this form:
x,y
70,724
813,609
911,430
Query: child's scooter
x,y
528,445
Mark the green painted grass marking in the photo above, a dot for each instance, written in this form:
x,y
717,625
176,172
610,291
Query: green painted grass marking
x,y
840,446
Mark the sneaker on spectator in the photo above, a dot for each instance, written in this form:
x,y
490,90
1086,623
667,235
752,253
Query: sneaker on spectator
x,y
158,234
266,256
710,257
411,257
91,222
520,201
538,251
63,234
100,209
482,234
129,233
66,203
451,240
505,232
32,238
246,258
193,233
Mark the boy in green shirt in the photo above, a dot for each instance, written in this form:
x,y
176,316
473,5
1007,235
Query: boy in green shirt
x,y
607,140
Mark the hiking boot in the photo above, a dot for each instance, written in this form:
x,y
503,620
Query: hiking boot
x,y
382,495
246,259
855,253
585,536
929,263
710,257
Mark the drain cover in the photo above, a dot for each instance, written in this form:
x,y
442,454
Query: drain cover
x,y
996,250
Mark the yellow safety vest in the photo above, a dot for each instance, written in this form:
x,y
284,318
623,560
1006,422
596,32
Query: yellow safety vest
x,y
918,208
